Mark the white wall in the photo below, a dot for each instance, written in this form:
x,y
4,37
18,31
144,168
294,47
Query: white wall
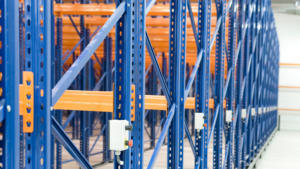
x,y
288,28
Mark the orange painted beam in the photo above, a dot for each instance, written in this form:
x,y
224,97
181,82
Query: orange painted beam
x,y
155,22
109,9
100,101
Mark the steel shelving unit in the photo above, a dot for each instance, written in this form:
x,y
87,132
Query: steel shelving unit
x,y
37,86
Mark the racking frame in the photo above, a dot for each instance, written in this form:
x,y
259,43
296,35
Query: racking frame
x,y
251,86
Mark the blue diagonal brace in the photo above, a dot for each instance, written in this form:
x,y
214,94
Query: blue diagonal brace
x,y
157,69
162,137
73,50
193,75
64,140
74,25
193,23
187,132
84,57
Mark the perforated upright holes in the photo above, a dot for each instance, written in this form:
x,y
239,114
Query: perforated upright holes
x,y
28,64
42,51
28,22
0,13
29,50
42,37
42,23
0,44
28,8
42,134
28,36
0,29
42,161
41,8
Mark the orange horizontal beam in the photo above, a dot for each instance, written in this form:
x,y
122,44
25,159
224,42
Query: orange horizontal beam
x,y
109,9
157,22
100,101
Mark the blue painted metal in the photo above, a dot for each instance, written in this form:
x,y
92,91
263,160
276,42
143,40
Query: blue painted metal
x,y
62,137
108,87
153,117
9,98
202,82
53,52
256,58
177,46
123,86
219,82
21,46
157,69
58,75
230,78
72,72
37,60
138,28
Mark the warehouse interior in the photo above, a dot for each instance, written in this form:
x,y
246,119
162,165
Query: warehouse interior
x,y
149,84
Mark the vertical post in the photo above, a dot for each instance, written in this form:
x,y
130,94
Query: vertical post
x,y
202,79
21,46
53,53
230,93
108,84
177,47
238,132
37,60
153,113
123,75
138,26
219,83
58,75
245,90
9,84
84,116
164,71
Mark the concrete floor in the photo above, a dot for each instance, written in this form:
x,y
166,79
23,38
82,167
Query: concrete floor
x,y
283,152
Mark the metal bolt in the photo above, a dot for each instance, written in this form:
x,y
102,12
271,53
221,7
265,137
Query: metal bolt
x,y
8,108
128,5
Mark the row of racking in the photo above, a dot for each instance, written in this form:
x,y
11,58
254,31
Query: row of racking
x,y
158,65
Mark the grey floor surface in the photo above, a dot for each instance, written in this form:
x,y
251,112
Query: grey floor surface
x,y
283,152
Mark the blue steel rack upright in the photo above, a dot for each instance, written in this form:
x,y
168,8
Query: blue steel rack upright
x,y
252,52
9,84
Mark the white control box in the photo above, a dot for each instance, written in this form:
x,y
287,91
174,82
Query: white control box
x,y
228,116
118,135
253,112
244,113
199,121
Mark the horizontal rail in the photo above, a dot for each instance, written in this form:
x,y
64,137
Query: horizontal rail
x,y
102,101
